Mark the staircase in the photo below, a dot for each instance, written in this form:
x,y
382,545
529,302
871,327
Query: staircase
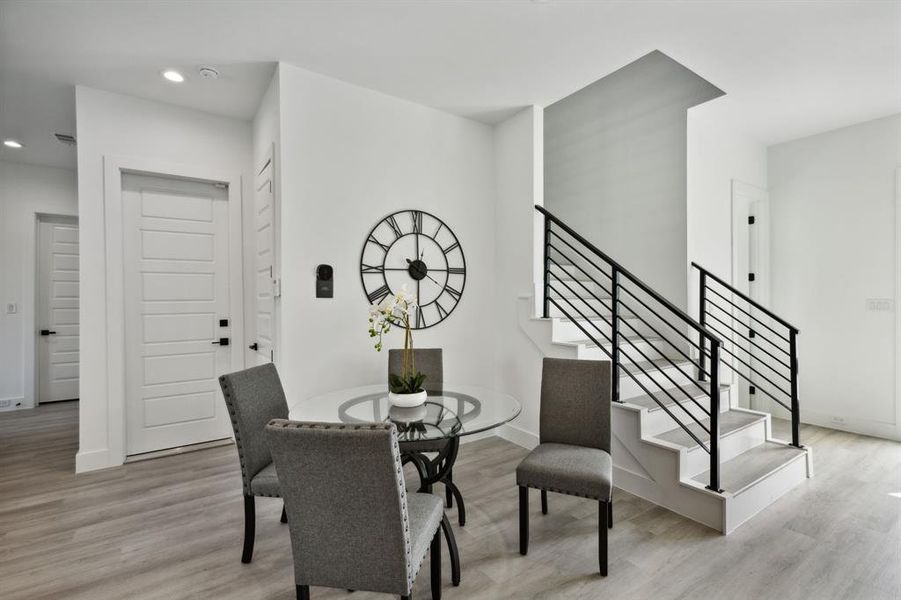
x,y
680,439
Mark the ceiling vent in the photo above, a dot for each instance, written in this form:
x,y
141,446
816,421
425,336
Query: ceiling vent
x,y
64,138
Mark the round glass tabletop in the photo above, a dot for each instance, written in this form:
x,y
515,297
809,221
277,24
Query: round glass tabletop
x,y
457,411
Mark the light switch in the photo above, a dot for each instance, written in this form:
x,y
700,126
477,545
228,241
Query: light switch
x,y
11,308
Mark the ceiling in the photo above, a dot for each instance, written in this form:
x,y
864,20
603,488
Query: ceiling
x,y
789,69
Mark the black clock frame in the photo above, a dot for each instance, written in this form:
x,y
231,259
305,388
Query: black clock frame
x,y
370,237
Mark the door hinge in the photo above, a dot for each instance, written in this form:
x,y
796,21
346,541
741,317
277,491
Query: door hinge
x,y
751,220
271,356
752,389
750,276
276,288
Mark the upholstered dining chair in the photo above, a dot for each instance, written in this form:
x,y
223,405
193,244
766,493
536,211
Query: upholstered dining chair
x,y
429,362
254,397
573,454
353,524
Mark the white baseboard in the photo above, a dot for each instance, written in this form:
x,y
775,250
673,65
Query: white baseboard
x,y
520,437
93,460
14,404
862,426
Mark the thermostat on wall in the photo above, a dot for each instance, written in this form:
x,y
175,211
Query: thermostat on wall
x,y
325,281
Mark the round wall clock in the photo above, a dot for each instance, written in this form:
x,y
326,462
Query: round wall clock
x,y
416,249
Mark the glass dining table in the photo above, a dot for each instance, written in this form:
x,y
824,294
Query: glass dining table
x,y
435,428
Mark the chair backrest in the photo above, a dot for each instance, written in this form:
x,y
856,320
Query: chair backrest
x,y
429,362
254,397
575,402
344,493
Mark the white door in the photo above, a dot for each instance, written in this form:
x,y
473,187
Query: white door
x,y
176,263
750,274
57,309
264,263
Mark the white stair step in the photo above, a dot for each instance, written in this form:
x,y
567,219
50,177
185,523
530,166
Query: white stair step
x,y
752,466
663,396
730,421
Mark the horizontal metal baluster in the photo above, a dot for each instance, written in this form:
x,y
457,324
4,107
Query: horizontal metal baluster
x,y
577,251
591,337
670,325
740,309
749,340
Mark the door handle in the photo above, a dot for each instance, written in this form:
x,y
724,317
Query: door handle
x,y
47,332
222,342
254,346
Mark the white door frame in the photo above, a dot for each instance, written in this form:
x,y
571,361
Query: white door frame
x,y
113,169
31,300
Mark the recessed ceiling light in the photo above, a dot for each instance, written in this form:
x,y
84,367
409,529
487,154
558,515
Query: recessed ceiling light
x,y
12,144
173,76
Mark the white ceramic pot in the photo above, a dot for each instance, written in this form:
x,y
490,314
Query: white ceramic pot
x,y
404,414
407,400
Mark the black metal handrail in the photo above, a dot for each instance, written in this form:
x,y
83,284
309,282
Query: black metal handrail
x,y
750,349
650,368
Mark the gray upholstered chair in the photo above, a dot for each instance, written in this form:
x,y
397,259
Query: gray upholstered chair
x,y
573,454
353,524
254,397
429,361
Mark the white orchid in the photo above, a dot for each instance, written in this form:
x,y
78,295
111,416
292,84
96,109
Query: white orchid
x,y
397,309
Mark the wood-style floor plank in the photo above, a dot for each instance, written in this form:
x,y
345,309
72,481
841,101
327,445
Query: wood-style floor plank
x,y
170,528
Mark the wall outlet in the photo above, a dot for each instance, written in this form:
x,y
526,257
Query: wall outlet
x,y
12,308
5,403
880,304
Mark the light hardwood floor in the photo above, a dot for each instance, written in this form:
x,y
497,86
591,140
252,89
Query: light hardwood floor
x,y
171,528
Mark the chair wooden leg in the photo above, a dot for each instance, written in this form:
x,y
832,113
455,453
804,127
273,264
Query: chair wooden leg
x,y
249,528
544,502
303,592
523,520
435,564
602,537
284,514
610,513
410,597
452,550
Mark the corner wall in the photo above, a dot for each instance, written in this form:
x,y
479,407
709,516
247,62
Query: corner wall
x,y
349,157
25,192
115,126
834,206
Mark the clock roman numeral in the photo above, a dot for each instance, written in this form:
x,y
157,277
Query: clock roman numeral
x,y
392,223
437,231
420,318
453,293
373,268
441,310
378,295
452,247
416,217
374,240
457,270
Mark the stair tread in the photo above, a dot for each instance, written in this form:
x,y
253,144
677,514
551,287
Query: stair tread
x,y
730,420
749,466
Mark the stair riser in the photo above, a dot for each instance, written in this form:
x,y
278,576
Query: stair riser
x,y
696,460
572,272
566,330
589,307
629,388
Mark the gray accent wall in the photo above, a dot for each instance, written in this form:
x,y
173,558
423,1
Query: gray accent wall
x,y
615,166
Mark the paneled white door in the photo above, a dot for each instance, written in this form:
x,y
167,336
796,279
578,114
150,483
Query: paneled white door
x,y
176,262
57,309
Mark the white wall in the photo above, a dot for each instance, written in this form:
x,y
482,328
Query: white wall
x,y
518,159
833,245
349,157
716,157
615,166
25,191
115,126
